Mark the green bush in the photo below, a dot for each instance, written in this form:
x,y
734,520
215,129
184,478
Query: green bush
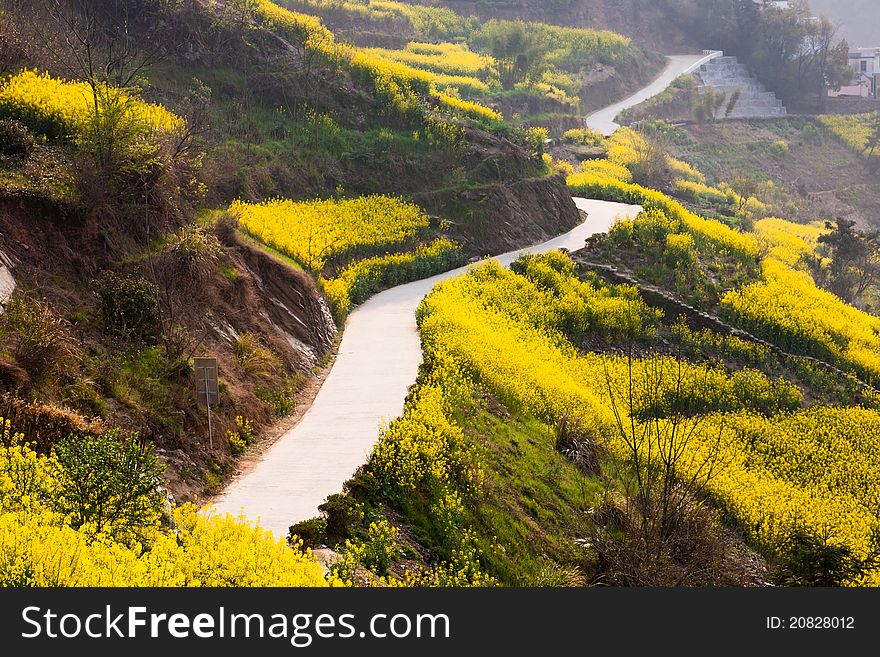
x,y
191,255
312,532
807,558
109,485
129,307
254,358
282,399
342,513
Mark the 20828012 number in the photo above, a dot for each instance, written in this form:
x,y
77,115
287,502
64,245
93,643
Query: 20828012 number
x,y
821,623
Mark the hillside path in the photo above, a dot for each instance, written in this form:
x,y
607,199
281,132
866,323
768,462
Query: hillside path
x,y
378,360
603,120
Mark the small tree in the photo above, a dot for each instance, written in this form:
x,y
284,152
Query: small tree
x,y
109,485
38,339
745,188
128,307
517,56
650,166
660,533
855,259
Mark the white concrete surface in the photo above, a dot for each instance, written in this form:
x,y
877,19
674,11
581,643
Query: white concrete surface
x,y
377,362
7,281
603,120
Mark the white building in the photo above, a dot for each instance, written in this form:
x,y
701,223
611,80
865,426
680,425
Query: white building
x,y
865,63
775,4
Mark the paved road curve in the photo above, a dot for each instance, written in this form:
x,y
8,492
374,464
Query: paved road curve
x,y
603,120
377,362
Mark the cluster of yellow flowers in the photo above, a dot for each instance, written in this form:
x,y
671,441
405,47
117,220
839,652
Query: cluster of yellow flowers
x,y
606,169
59,109
307,30
401,86
723,238
425,20
781,466
467,107
626,147
424,447
39,548
696,191
789,310
346,234
854,131
357,282
448,58
684,171
787,241
313,232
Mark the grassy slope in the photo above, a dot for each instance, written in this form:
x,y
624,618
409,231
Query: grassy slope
x,y
534,503
822,179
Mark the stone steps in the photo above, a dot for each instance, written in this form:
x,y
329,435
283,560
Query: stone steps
x,y
726,75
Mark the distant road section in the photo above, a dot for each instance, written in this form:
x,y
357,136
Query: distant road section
x,y
378,361
603,120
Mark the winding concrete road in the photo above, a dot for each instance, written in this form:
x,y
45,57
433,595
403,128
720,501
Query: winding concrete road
x,y
377,362
603,120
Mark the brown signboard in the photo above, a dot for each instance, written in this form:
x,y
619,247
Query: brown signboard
x,y
207,381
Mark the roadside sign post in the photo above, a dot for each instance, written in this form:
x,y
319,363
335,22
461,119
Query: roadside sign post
x,y
207,388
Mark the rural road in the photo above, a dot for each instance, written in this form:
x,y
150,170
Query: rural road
x,y
602,121
377,361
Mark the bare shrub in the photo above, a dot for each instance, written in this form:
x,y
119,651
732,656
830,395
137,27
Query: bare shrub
x,y
38,339
577,445
654,527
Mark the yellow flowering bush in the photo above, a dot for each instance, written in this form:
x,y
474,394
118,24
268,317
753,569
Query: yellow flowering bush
x,y
447,58
399,86
60,109
467,107
721,238
786,241
330,232
789,310
685,171
606,169
39,548
356,283
560,167
697,191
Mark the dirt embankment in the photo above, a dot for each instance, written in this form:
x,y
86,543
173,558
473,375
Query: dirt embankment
x,y
264,320
493,219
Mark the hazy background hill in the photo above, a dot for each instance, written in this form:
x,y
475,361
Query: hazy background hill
x,y
859,19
